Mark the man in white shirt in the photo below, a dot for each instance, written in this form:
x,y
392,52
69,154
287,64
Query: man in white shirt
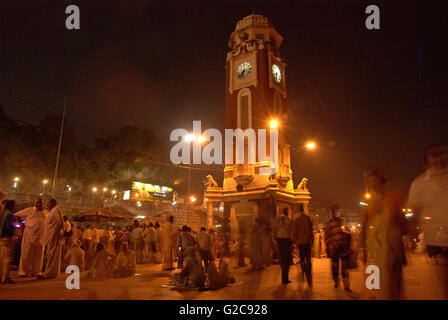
x,y
52,239
32,249
428,197
283,230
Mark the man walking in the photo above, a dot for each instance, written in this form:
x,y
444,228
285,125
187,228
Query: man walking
x,y
53,237
428,197
338,245
303,238
283,233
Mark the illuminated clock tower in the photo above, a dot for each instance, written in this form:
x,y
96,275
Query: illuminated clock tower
x,y
256,97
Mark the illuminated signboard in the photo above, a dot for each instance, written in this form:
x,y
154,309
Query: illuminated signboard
x,y
149,192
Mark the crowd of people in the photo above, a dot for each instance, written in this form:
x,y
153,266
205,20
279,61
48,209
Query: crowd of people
x,y
50,242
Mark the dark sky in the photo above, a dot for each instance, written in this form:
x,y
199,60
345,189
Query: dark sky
x,y
160,65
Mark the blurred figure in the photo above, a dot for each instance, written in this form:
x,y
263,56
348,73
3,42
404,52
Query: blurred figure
x,y
317,246
303,238
96,236
283,233
192,274
150,244
204,241
219,278
32,249
103,264
53,236
126,262
137,238
428,197
185,240
256,254
76,256
383,230
117,234
7,222
169,244
158,238
87,238
338,245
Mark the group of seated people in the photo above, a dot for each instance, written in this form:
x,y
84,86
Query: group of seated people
x,y
194,275
105,264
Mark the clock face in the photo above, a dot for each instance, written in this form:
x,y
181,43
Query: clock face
x,y
244,70
276,73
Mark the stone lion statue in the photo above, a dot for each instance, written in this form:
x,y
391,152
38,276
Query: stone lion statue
x,y
211,182
302,185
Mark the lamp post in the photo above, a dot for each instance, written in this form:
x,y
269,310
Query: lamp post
x,y
44,183
195,139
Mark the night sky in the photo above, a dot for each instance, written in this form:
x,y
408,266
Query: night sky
x,y
361,94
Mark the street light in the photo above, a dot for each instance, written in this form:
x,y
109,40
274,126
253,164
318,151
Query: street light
x,y
367,196
94,189
193,199
44,182
310,145
16,181
273,124
190,137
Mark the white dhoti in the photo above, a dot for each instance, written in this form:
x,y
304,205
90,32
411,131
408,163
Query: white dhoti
x,y
31,259
53,265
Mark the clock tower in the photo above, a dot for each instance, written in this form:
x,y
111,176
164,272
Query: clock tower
x,y
256,98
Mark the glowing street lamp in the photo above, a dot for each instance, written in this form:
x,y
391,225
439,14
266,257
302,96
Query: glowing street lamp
x,y
273,124
44,182
16,181
193,199
310,145
94,189
367,196
104,189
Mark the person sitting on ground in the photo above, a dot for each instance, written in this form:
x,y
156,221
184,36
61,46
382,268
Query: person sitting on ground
x,y
192,275
103,263
219,278
126,262
76,255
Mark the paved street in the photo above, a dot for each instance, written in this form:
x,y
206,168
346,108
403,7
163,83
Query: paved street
x,y
420,283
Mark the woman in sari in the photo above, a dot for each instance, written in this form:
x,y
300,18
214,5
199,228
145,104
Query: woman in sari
x,y
383,230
